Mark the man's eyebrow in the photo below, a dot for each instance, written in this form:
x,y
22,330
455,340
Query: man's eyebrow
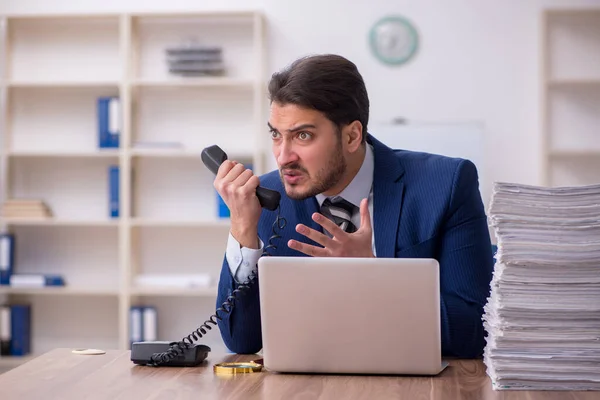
x,y
294,129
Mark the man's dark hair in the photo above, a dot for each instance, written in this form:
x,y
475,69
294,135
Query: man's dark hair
x,y
327,83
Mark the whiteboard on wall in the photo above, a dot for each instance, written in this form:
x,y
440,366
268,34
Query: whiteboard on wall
x,y
457,139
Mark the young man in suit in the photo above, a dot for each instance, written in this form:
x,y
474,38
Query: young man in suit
x,y
345,194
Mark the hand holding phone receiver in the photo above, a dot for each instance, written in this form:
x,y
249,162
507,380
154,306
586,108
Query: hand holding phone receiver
x,y
185,352
213,157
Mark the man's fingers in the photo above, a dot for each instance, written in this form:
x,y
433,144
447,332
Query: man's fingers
x,y
329,226
308,249
365,218
314,235
234,172
225,168
243,178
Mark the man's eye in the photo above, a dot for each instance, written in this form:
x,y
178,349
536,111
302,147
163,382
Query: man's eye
x,y
304,135
274,134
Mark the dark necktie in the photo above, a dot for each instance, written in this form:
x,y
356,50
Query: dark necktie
x,y
339,211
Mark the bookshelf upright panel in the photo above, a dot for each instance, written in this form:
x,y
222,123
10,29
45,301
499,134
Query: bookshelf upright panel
x,y
570,100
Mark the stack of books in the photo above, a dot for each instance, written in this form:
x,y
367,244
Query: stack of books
x,y
26,209
543,313
195,60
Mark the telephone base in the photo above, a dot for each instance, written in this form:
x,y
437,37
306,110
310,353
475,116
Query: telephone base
x,y
141,353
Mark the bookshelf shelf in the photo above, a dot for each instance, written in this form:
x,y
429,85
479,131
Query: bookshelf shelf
x,y
40,84
64,154
196,82
61,291
573,83
59,222
575,153
570,97
179,153
147,222
55,68
174,292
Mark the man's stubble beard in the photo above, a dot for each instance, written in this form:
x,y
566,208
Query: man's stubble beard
x,y
325,178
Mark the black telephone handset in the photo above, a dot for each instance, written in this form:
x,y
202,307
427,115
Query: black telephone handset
x,y
213,157
185,353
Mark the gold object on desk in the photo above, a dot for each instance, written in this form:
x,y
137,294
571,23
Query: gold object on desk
x,y
232,368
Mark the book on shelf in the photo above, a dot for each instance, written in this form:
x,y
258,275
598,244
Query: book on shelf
x,y
143,324
7,257
36,280
26,209
15,330
113,191
109,122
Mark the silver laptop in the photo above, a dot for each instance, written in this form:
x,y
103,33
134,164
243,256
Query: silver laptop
x,y
350,315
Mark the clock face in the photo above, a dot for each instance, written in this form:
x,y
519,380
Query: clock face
x,y
393,40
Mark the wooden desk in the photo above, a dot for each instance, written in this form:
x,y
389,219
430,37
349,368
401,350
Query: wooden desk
x,y
62,375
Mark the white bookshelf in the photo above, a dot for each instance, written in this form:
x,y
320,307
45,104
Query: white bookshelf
x,y
55,67
570,96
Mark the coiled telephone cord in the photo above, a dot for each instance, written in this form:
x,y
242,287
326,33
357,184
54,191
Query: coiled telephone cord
x,y
177,349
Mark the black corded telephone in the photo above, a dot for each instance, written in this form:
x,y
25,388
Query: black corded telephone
x,y
185,352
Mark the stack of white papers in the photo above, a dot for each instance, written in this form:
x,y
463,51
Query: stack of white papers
x,y
543,313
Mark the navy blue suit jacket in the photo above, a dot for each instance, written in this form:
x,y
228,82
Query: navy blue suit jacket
x,y
425,206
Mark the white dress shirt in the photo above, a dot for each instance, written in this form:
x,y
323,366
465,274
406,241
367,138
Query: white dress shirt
x,y
242,260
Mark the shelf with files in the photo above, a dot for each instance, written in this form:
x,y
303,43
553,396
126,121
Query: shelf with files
x,y
55,120
179,316
570,96
92,322
86,257
56,68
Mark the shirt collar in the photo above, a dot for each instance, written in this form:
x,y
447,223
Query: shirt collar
x,y
360,187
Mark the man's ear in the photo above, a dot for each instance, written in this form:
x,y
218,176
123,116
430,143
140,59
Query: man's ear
x,y
352,136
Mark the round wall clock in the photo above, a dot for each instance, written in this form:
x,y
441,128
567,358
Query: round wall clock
x,y
393,40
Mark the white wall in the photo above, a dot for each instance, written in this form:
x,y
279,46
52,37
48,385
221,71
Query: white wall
x,y
478,59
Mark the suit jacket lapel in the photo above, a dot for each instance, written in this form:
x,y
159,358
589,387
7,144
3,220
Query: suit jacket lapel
x,y
388,190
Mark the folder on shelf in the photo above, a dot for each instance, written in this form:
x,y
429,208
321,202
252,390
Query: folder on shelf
x,y
7,257
36,280
20,323
150,330
109,122
143,324
136,327
113,191
5,330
